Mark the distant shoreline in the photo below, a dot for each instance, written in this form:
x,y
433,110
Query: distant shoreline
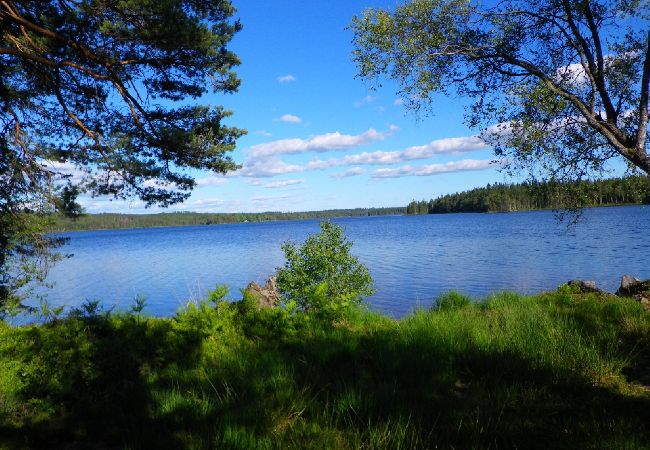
x,y
530,196
312,216
115,221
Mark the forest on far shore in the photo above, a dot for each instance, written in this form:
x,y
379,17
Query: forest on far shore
x,y
497,197
109,221
501,197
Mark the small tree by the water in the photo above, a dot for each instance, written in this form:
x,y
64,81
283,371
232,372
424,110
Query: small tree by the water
x,y
321,276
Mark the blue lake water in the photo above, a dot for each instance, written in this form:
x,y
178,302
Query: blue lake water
x,y
412,259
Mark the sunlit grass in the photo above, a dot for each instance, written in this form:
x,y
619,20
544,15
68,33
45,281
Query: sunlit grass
x,y
555,370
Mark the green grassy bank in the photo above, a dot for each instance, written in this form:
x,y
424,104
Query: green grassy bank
x,y
556,370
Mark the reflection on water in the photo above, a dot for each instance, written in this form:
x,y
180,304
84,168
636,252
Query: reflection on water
x,y
412,258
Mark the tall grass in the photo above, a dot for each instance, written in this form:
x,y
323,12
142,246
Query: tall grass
x,y
555,370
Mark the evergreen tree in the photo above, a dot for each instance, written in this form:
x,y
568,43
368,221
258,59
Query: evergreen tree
x,y
94,97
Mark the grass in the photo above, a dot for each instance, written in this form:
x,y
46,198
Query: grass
x,y
557,370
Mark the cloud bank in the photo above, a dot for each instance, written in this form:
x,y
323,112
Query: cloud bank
x,y
352,172
211,181
447,146
320,143
434,169
264,160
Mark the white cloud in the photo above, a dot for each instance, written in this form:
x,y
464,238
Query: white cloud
x,y
254,182
210,204
263,133
434,169
446,146
289,118
284,183
499,133
159,184
263,161
106,204
368,99
286,79
366,158
65,170
352,172
320,164
202,203
269,198
321,143
398,101
575,74
267,167
211,181
263,203
275,184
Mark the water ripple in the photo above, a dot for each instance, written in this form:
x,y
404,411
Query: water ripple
x,y
412,259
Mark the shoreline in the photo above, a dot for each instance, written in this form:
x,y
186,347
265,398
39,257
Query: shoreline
x,y
58,230
55,230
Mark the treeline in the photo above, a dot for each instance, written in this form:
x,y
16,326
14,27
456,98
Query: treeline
x,y
107,221
501,197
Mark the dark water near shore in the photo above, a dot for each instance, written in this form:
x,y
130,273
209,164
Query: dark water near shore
x,y
413,259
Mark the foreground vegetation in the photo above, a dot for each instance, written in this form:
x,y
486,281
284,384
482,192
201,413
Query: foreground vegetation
x,y
316,369
502,197
107,221
560,369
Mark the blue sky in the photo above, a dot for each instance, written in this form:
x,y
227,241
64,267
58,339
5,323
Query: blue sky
x,y
319,138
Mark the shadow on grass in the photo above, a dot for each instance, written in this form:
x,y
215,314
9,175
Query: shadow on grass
x,y
87,380
474,399
131,382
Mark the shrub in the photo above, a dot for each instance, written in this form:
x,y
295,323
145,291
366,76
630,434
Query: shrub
x,y
452,301
321,276
213,316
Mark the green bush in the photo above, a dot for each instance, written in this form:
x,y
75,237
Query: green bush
x,y
321,276
452,301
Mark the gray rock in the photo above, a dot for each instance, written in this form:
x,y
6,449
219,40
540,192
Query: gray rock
x,y
628,285
634,288
585,285
267,296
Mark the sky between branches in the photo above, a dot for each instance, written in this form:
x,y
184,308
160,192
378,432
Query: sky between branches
x,y
319,138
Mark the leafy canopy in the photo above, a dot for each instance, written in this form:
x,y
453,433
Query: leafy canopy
x,y
101,97
101,86
322,276
559,86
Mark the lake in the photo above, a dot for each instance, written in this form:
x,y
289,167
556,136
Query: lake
x,y
412,259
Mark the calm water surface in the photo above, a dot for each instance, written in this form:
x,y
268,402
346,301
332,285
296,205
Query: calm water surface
x,y
412,259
